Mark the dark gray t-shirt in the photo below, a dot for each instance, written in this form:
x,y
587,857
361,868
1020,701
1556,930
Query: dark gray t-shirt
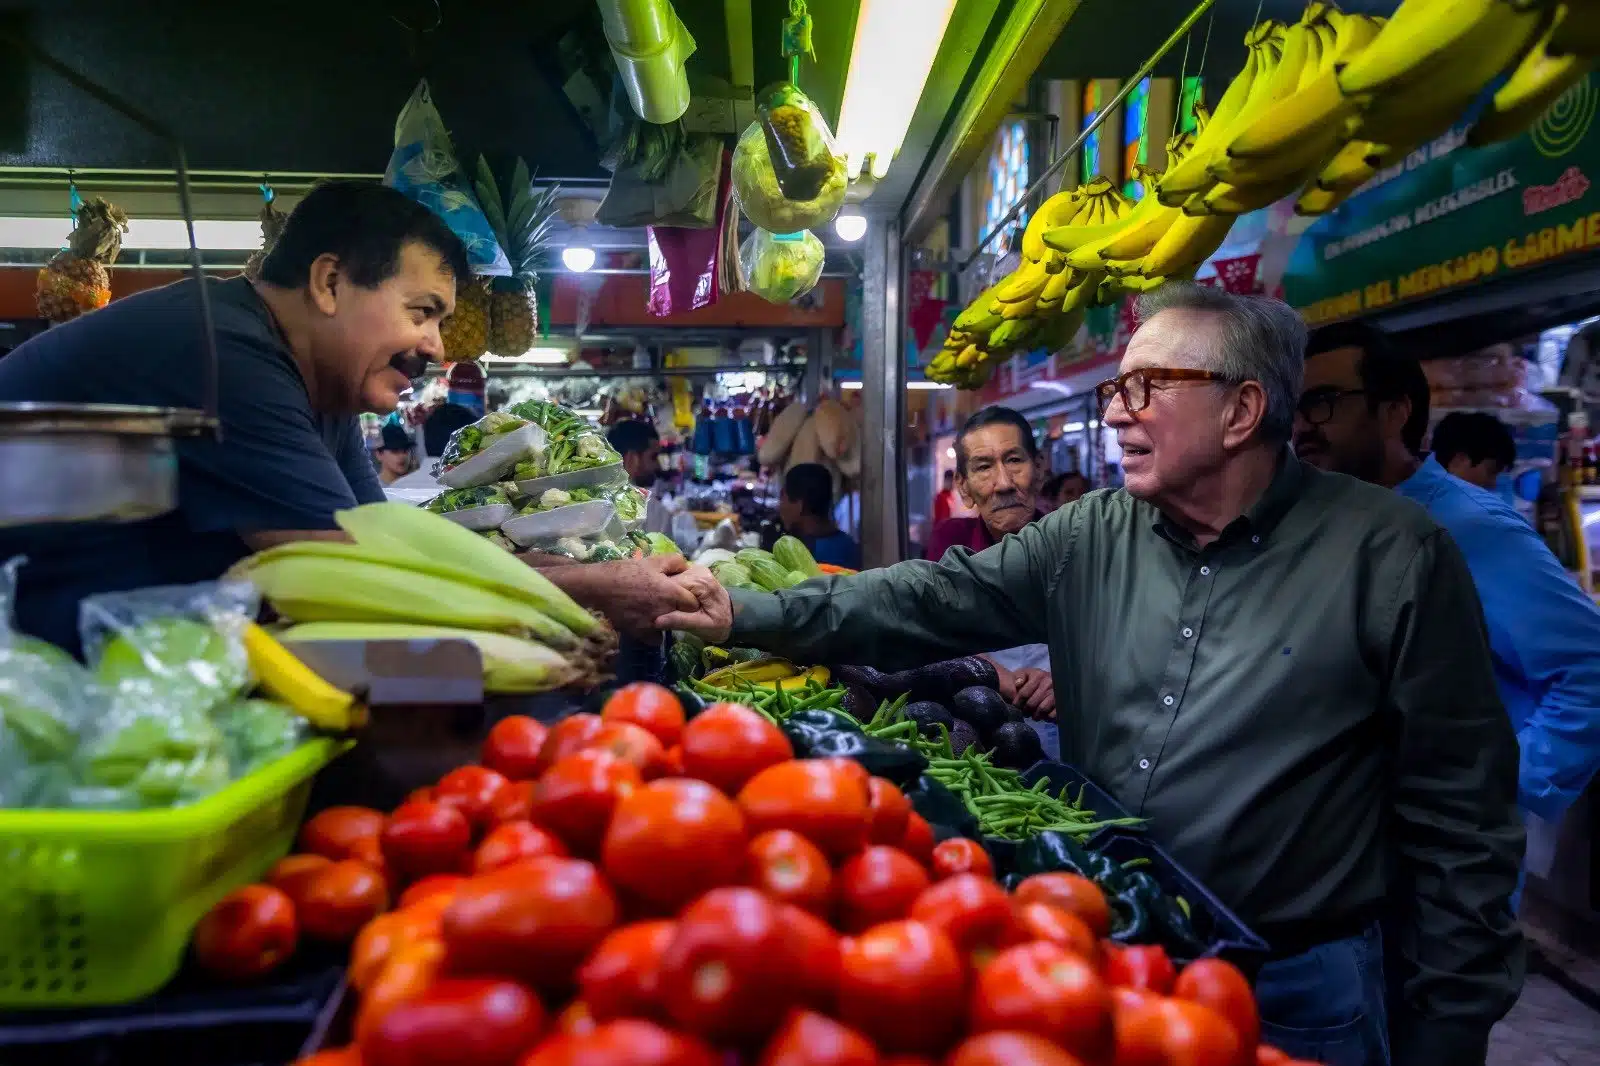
x,y
278,465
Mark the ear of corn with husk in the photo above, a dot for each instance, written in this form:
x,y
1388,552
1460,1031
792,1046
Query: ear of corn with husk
x,y
413,571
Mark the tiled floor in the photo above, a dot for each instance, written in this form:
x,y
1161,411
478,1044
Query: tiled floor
x,y
1547,1027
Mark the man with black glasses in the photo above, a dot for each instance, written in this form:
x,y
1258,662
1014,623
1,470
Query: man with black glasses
x,y
1284,670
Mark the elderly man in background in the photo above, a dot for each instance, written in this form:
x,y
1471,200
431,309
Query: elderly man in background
x,y
1285,670
998,474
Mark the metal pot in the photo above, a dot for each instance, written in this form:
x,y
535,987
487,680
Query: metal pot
x,y
90,462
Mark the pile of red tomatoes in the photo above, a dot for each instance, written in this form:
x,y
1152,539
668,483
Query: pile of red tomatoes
x,y
630,889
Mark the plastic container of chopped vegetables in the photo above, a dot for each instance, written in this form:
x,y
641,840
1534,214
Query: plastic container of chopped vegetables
x,y
499,456
594,477
479,519
96,907
585,519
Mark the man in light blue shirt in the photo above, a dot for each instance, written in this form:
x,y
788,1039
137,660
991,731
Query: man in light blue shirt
x,y
1364,412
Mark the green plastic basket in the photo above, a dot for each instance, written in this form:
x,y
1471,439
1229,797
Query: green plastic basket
x,y
96,907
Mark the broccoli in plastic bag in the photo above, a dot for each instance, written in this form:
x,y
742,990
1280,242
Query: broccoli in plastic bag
x,y
779,267
255,732
755,186
45,696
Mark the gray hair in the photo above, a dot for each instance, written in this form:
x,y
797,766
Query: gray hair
x,y
1258,339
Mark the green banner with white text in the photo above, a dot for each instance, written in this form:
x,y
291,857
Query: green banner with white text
x,y
1450,216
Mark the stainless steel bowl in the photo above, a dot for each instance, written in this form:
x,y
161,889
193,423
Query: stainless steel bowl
x,y
90,462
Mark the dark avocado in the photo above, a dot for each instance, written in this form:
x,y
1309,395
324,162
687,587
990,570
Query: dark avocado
x,y
982,708
929,716
962,737
1016,746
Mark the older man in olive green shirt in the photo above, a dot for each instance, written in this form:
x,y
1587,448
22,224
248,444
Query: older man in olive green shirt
x,y
1285,670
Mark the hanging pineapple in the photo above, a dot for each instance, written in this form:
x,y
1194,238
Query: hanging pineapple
x,y
466,332
272,223
522,226
76,280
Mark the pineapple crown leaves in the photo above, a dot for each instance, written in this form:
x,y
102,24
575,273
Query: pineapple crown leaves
x,y
98,234
522,225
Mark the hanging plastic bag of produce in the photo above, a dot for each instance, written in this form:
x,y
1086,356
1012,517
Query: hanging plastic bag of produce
x,y
424,166
45,697
755,185
800,145
778,267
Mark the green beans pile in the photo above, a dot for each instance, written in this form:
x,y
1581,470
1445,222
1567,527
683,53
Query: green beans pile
x,y
776,703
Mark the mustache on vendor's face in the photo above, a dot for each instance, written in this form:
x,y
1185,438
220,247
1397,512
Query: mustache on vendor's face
x,y
1311,440
1002,500
410,364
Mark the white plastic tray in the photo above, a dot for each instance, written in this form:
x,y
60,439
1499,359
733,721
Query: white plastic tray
x,y
479,519
497,460
610,474
574,520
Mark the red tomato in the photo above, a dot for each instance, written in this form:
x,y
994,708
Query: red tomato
x,y
575,1020
789,868
426,838
672,840
291,872
383,937
431,885
333,832
624,1042
891,812
511,841
1144,966
905,1060
726,745
575,797
462,1021
728,974
918,839
1045,921
472,790
903,985
514,803
1010,1049
810,1039
1044,989
537,919
958,855
568,736
821,799
973,911
878,885
815,947
1271,1056
369,850
512,747
672,761
339,900
1174,1032
249,932
649,706
1219,985
634,744
409,973
1073,894
423,794
622,978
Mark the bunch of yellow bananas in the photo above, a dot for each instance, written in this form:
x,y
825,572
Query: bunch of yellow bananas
x,y
1321,106
1043,301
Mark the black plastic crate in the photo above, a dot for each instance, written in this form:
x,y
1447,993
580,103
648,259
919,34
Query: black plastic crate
x,y
1223,932
192,1020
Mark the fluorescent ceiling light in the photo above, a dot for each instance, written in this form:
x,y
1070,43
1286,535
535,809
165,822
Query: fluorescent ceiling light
x,y
894,49
850,225
577,258
849,384
921,386
213,235
542,356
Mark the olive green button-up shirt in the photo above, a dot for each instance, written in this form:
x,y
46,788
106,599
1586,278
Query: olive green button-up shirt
x,y
1304,709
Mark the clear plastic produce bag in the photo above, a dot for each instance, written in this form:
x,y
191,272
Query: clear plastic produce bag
x,y
778,267
45,697
800,145
488,450
755,186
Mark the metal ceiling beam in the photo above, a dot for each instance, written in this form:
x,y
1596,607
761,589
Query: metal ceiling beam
x,y
1027,35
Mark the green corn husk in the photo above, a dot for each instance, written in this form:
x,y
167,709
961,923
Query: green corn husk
x,y
314,588
511,665
792,554
398,529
